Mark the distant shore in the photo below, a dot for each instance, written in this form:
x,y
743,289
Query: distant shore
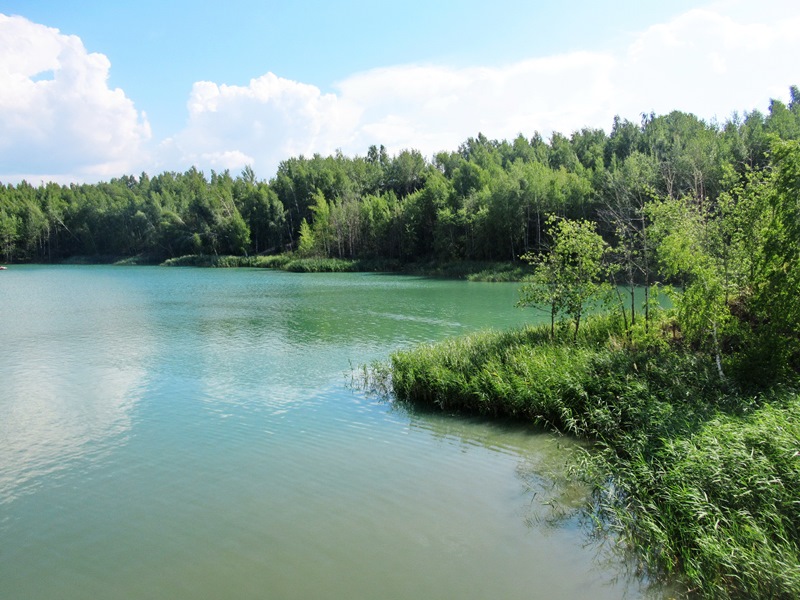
x,y
469,270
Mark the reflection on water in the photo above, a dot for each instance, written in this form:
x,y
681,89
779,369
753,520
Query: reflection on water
x,y
184,433
543,460
56,406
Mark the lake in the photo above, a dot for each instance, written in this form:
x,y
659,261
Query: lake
x,y
191,433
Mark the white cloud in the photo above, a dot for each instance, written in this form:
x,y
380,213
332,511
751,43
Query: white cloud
x,y
710,61
259,124
58,117
429,108
435,108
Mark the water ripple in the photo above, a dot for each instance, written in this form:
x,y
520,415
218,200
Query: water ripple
x,y
183,433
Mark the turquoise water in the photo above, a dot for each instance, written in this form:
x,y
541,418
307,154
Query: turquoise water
x,y
190,433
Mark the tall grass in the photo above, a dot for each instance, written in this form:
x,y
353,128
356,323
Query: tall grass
x,y
702,480
205,260
721,506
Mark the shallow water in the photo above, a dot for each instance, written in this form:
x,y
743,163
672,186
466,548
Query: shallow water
x,y
189,433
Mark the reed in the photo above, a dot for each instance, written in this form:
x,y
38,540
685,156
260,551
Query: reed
x,y
719,506
320,265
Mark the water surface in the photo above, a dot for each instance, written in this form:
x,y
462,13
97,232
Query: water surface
x,y
189,433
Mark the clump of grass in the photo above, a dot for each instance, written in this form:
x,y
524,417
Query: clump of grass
x,y
274,261
720,505
202,260
320,265
583,387
489,373
228,261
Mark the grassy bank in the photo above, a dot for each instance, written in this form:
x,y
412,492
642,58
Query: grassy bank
x,y
471,270
285,262
702,480
224,261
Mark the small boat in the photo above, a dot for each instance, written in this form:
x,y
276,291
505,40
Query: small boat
x,y
3,268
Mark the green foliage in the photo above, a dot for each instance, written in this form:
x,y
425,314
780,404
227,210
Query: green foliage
x,y
308,243
777,287
684,247
570,274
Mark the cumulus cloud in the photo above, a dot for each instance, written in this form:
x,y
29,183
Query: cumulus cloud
x,y
262,123
58,117
429,108
57,114
434,108
711,61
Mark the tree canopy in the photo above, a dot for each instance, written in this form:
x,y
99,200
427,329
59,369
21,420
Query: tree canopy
x,y
487,200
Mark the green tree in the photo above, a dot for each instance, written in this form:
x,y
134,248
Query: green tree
x,y
321,225
625,190
406,173
684,248
777,286
544,289
306,245
571,274
9,227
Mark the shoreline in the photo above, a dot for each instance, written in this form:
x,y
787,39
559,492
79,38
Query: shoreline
x,y
486,271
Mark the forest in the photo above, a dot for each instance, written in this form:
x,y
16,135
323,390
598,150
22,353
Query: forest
x,y
488,200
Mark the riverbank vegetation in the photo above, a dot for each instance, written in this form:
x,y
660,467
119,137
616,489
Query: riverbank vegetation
x,y
699,477
464,269
692,411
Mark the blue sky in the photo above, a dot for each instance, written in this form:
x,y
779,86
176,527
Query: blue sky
x,y
93,90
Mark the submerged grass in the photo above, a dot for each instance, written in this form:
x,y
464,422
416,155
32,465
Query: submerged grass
x,y
702,480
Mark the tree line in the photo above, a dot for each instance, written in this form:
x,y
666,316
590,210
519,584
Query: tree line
x,y
488,200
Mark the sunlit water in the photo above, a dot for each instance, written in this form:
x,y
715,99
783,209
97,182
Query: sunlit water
x,y
187,433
